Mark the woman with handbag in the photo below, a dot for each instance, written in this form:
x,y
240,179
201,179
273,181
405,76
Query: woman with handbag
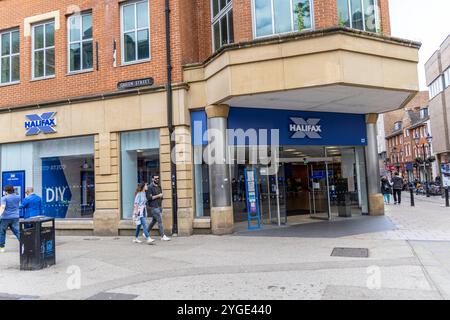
x,y
386,189
140,213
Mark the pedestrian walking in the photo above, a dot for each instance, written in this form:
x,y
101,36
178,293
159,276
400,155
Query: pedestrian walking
x,y
397,185
9,215
32,204
386,189
140,213
155,197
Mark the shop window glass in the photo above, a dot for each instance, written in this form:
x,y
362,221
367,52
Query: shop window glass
x,y
139,161
201,173
61,171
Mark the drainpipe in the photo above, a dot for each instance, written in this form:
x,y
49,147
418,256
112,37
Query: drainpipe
x,y
173,168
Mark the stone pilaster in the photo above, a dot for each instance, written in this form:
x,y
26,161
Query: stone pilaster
x,y
164,158
183,160
185,180
107,195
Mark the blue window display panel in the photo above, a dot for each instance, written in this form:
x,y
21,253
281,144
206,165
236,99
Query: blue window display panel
x,y
253,211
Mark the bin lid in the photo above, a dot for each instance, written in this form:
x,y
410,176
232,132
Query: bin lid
x,y
38,219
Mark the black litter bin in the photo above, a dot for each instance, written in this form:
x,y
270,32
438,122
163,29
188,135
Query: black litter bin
x,y
37,243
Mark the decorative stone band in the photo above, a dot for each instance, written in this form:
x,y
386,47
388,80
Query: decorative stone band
x,y
371,118
54,15
217,111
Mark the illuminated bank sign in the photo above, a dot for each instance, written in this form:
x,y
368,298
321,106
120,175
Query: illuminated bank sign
x,y
293,127
301,128
40,123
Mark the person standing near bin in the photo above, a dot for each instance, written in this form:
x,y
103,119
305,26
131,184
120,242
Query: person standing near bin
x,y
32,204
9,215
155,197
397,185
140,213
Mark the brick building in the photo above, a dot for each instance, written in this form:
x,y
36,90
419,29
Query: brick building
x,y
85,106
437,71
402,153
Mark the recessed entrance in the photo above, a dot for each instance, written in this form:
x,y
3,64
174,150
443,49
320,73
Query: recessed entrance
x,y
311,182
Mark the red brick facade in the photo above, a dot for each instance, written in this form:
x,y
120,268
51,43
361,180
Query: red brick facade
x,y
191,42
400,146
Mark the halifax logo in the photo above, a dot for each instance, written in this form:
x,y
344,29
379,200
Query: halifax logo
x,y
40,123
309,128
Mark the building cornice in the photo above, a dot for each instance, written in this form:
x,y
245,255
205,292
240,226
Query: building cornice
x,y
95,97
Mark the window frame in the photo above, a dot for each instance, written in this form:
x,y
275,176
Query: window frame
x,y
9,56
44,49
377,16
447,78
255,36
216,19
424,112
81,41
136,30
436,87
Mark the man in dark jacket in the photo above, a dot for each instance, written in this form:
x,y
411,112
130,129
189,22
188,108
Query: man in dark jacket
x,y
155,197
397,185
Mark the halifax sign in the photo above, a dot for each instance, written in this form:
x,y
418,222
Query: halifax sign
x,y
40,123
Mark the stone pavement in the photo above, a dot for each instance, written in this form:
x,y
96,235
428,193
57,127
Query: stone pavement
x,y
409,258
429,220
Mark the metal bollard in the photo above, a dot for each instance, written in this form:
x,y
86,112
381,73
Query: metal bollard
x,y
411,192
447,203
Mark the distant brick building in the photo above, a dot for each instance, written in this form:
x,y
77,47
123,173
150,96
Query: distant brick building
x,y
85,103
401,127
437,70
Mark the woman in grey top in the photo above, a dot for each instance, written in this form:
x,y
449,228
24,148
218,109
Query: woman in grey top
x,y
140,213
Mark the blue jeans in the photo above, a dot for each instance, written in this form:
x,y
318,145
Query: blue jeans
x,y
157,217
387,197
144,227
12,224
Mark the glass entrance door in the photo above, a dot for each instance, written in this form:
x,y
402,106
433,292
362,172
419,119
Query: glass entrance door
x,y
318,173
272,196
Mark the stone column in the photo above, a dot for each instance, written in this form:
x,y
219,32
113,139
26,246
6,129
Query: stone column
x,y
219,174
376,202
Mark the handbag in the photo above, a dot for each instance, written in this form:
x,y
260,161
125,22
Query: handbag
x,y
136,216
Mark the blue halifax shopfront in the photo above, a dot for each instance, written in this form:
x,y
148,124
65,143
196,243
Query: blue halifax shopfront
x,y
320,128
308,145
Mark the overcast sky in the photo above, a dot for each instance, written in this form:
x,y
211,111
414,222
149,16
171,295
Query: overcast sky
x,y
427,21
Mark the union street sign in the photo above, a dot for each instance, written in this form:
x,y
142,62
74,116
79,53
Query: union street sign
x,y
135,83
40,123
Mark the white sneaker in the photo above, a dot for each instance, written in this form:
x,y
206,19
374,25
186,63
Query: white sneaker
x,y
2,250
165,238
136,240
150,240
